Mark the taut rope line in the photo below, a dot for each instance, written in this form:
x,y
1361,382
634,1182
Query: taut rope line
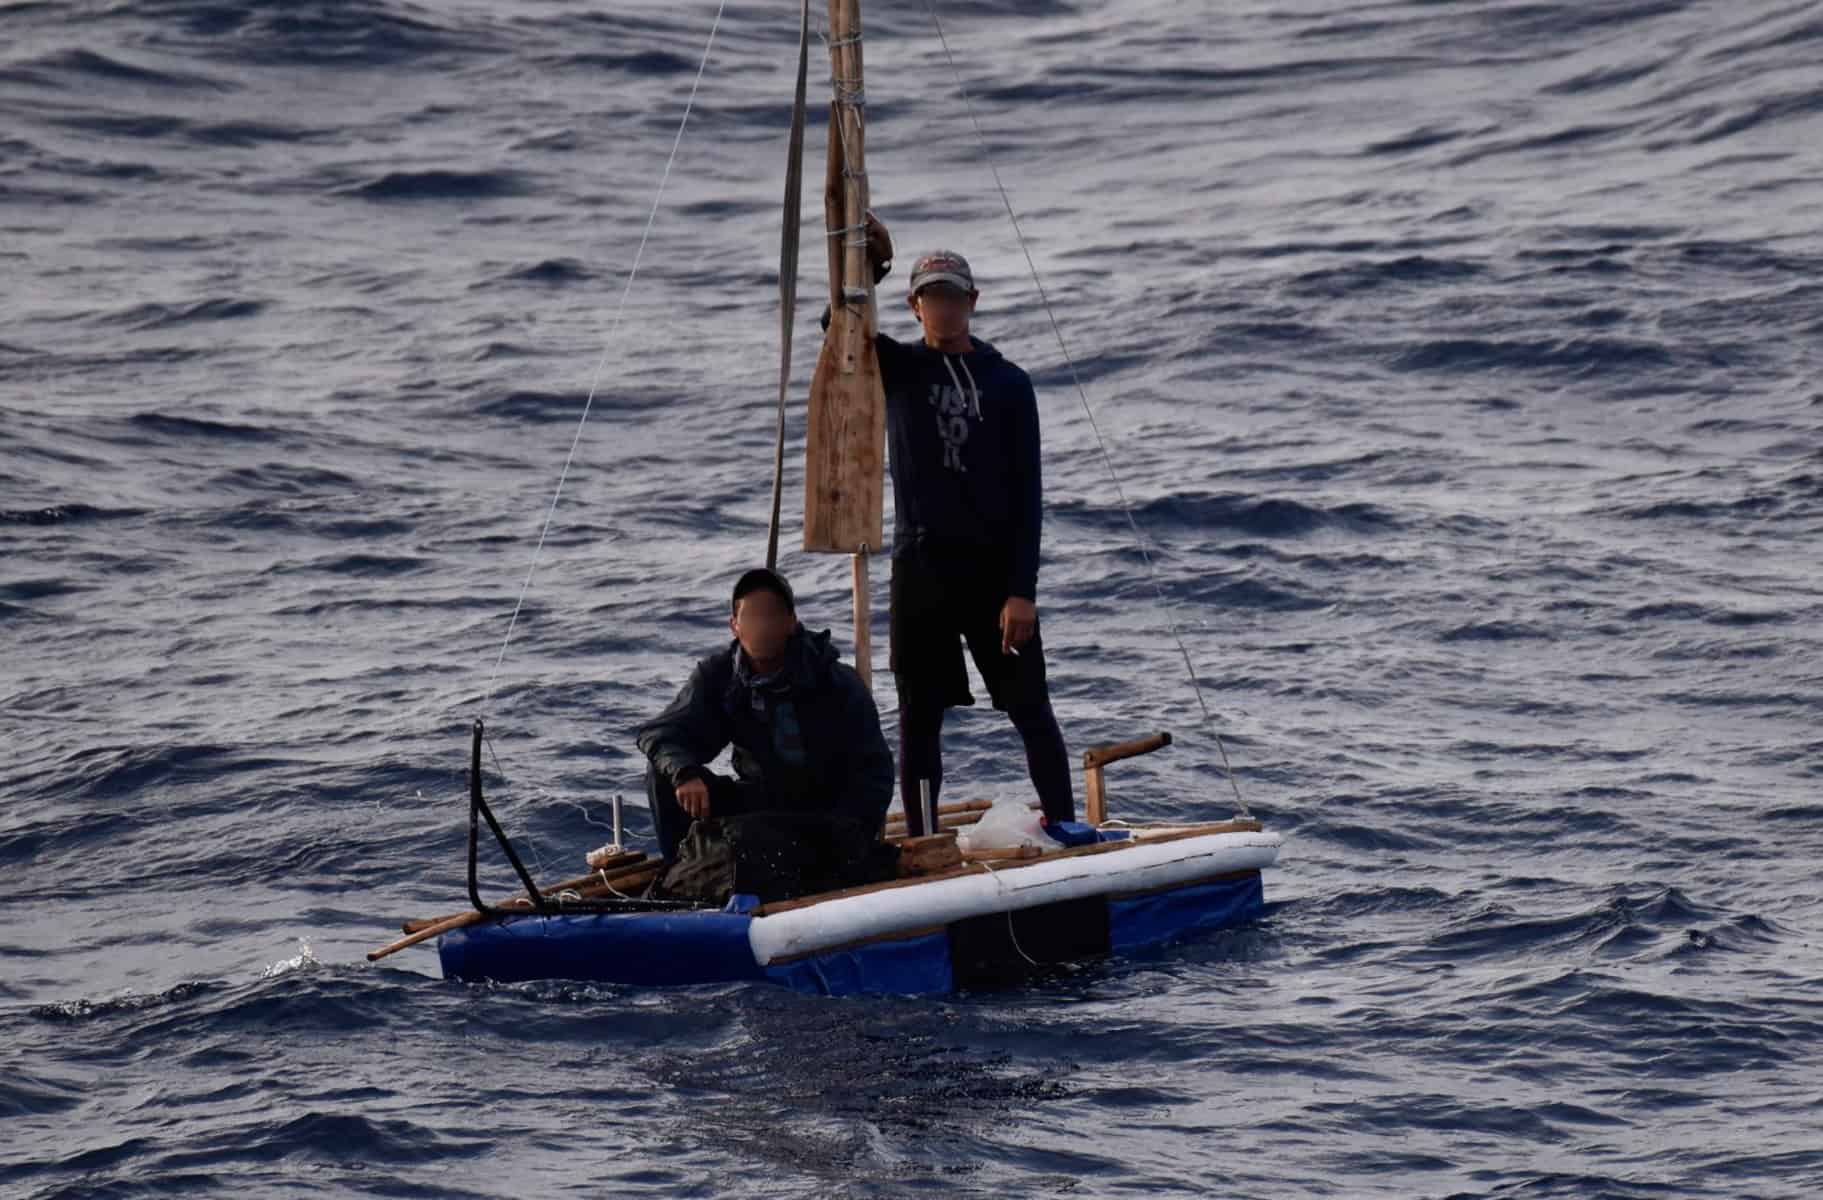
x,y
589,403
601,363
1126,506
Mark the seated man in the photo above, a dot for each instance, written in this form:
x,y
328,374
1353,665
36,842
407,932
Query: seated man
x,y
808,751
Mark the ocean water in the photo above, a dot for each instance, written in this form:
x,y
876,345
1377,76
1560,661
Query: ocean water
x,y
1459,363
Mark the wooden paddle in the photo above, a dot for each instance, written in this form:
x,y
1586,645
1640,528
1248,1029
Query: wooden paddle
x,y
845,450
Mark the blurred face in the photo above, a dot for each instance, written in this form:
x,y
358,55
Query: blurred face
x,y
761,623
944,311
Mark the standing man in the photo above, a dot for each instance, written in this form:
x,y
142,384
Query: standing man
x,y
962,442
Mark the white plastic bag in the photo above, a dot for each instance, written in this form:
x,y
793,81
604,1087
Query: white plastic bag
x,y
1007,825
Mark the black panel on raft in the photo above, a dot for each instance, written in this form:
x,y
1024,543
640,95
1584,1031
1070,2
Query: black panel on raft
x,y
1002,949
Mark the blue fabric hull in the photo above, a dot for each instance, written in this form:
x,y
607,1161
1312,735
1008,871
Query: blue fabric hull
x,y
667,949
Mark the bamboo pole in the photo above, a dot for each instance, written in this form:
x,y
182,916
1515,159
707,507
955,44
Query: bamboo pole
x,y
833,202
425,934
947,810
623,864
950,824
864,634
629,879
1101,756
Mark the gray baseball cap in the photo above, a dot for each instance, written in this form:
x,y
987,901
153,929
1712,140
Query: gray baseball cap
x,y
942,266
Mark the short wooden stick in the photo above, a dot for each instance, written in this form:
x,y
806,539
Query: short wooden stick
x,y
1095,808
864,635
1101,756
426,933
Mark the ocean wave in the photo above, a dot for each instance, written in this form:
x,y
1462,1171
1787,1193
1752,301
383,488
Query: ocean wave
x,y
198,427
86,69
440,185
1252,515
1577,356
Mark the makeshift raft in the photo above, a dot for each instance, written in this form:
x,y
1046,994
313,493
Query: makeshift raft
x,y
954,919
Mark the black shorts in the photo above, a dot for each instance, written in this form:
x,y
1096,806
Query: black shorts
x,y
939,602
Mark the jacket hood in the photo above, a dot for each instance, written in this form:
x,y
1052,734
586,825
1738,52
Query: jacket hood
x,y
808,659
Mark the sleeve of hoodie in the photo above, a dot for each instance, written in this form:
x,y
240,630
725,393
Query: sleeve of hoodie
x,y
869,783
683,739
1025,478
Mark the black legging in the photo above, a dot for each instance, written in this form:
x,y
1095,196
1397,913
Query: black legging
x,y
921,759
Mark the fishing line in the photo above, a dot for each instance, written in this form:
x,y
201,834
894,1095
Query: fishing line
x,y
1120,491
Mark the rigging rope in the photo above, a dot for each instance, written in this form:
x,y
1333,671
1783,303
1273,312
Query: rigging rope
x,y
602,362
588,404
1076,379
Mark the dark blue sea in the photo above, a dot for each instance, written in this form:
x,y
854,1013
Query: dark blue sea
x,y
1460,365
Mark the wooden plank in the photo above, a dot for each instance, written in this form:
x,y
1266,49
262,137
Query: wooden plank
x,y
928,854
1008,854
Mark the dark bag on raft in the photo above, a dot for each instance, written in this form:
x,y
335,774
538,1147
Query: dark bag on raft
x,y
775,855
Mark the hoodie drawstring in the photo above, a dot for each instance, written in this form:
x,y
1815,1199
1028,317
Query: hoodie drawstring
x,y
973,386
972,391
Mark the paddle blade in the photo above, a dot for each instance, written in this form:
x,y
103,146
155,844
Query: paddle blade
x,y
845,454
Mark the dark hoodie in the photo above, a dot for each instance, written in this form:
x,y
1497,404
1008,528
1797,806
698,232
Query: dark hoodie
x,y
809,733
962,439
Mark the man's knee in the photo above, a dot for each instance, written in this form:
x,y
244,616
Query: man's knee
x,y
1035,717
919,716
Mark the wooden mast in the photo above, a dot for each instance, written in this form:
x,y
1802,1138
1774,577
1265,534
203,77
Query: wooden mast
x,y
845,453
